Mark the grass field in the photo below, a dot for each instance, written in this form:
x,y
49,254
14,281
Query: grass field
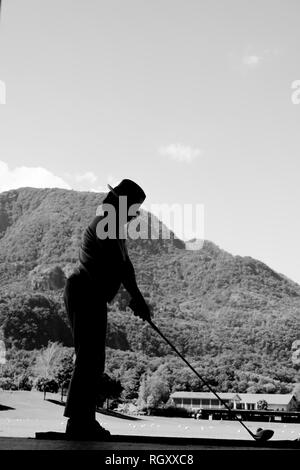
x,y
28,412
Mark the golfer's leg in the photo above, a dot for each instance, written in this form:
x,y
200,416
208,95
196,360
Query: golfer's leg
x,y
89,332
89,365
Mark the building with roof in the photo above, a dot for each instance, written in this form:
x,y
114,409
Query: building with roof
x,y
237,401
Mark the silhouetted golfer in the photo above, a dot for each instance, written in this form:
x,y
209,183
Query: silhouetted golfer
x,y
104,266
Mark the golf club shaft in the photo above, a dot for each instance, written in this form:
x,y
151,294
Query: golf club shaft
x,y
199,377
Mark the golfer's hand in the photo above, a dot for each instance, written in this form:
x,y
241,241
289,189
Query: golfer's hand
x,y
140,308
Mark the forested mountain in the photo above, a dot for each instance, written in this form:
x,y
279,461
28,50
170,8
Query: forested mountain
x,y
232,315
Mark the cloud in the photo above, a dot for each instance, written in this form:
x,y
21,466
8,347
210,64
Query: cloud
x,y
180,153
89,181
2,92
87,177
252,58
113,181
252,61
104,188
38,177
35,177
81,181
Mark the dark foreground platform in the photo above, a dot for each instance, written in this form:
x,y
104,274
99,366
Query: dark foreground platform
x,y
57,441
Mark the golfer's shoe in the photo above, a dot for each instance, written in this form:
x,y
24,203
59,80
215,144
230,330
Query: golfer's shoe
x,y
93,431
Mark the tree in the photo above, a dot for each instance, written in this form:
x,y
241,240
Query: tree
x,y
130,383
269,388
47,366
17,370
30,321
7,383
262,405
25,382
143,394
48,360
110,388
63,373
154,391
45,385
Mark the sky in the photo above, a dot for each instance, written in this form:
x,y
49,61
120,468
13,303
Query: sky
x,y
191,99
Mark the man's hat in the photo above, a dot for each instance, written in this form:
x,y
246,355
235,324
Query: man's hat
x,y
129,188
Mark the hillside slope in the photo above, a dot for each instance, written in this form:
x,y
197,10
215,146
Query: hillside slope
x,y
212,305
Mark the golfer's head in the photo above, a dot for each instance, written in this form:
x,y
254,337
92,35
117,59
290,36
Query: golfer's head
x,y
127,197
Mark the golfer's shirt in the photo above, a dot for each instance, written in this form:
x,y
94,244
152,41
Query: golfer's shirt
x,y
105,261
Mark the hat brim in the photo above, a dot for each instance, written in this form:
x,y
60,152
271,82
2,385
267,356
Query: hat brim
x,y
112,190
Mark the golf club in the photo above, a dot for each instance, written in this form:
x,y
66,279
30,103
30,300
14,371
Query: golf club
x,y
261,435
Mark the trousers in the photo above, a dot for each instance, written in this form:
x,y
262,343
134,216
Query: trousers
x,y
87,313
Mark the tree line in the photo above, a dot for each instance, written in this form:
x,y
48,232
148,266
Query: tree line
x,y
134,378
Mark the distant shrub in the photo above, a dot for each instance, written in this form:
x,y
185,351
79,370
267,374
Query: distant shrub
x,y
262,405
168,411
7,383
43,384
25,382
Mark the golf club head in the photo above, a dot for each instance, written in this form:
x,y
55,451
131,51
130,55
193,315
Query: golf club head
x,y
263,435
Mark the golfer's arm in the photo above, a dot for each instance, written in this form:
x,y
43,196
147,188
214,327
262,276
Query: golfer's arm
x,y
129,281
